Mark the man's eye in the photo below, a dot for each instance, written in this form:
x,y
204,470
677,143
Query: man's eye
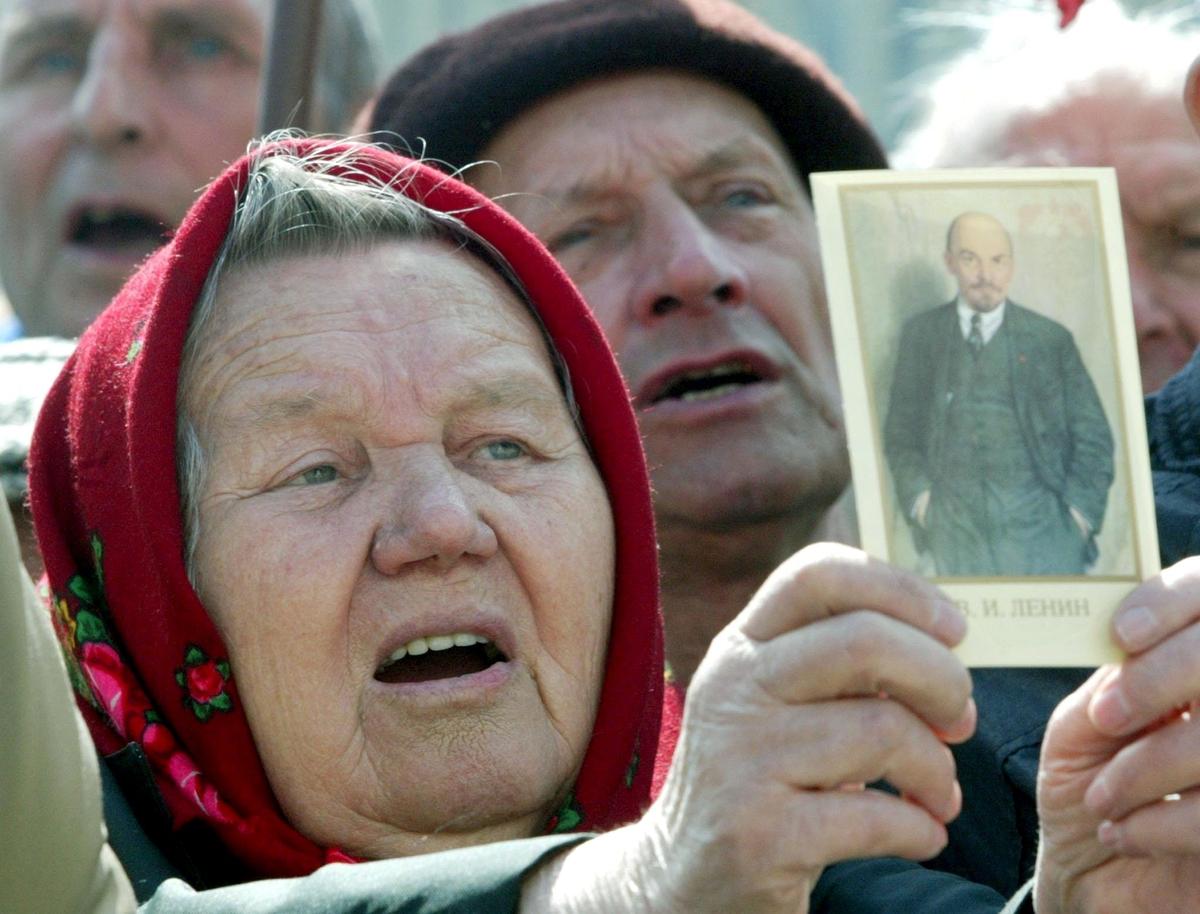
x,y
576,234
745,197
315,476
185,48
206,47
505,449
1188,240
57,61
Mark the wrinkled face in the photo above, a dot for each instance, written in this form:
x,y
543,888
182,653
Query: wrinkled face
x,y
1153,148
112,114
979,257
404,544
673,205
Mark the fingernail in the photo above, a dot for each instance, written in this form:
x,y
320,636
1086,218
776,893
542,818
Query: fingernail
x,y
1109,834
1098,795
1111,712
1136,627
950,624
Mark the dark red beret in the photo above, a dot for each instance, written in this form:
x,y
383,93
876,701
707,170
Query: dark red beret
x,y
459,92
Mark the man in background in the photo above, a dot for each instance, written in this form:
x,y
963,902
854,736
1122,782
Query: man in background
x,y
113,114
1104,91
661,149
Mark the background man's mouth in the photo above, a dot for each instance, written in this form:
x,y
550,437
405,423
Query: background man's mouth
x,y
709,383
117,229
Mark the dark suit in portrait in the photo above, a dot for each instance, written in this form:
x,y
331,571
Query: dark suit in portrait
x,y
1006,438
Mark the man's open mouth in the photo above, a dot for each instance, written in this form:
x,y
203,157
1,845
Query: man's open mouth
x,y
115,228
439,657
707,383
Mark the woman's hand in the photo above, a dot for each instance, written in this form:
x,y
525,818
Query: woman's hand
x,y
837,674
1113,751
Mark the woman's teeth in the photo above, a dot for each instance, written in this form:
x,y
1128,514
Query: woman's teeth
x,y
419,646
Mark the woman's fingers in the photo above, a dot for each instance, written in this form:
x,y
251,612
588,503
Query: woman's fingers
x,y
1159,607
1168,827
1150,686
856,741
1165,761
838,673
866,823
867,653
827,580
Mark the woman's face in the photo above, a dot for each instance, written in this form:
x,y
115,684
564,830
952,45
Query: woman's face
x,y
391,466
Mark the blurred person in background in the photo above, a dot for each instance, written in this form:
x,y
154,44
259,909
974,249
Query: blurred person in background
x,y
113,115
1104,91
661,150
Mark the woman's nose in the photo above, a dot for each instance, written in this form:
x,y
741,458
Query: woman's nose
x,y
432,520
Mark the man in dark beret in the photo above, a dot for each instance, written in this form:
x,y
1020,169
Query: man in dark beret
x,y
661,149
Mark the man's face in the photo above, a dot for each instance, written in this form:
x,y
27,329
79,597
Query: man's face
x,y
979,257
113,113
1153,148
671,202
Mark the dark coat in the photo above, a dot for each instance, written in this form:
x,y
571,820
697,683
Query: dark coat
x,y
1063,428
168,870
1173,427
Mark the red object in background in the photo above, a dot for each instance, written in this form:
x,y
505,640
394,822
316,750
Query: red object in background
x,y
1068,8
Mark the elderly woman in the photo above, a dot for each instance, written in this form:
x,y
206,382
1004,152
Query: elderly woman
x,y
348,536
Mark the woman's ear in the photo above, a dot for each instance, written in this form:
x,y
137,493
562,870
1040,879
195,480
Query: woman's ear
x,y
1191,94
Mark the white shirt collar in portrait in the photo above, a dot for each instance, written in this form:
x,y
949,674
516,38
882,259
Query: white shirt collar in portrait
x,y
988,325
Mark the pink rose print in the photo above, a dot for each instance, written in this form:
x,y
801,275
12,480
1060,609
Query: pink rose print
x,y
203,682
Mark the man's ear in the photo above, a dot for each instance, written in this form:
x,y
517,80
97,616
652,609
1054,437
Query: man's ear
x,y
1191,94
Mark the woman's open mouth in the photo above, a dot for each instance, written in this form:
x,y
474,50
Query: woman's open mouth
x,y
439,657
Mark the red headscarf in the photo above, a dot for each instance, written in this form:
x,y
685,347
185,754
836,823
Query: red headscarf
x,y
146,659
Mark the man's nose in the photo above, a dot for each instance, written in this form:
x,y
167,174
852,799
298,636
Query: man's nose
x,y
112,102
430,519
685,265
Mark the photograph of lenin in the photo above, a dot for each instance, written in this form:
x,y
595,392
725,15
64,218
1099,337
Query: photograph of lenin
x,y
998,446
988,363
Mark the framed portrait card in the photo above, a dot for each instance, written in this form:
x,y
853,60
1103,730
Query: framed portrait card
x,y
992,397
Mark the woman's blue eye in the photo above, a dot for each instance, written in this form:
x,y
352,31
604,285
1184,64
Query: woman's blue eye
x,y
315,476
504,450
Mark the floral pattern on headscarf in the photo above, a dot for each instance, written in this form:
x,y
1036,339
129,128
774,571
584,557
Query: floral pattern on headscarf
x,y
102,679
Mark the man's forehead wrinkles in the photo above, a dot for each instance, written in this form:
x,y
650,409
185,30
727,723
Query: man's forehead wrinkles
x,y
685,163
